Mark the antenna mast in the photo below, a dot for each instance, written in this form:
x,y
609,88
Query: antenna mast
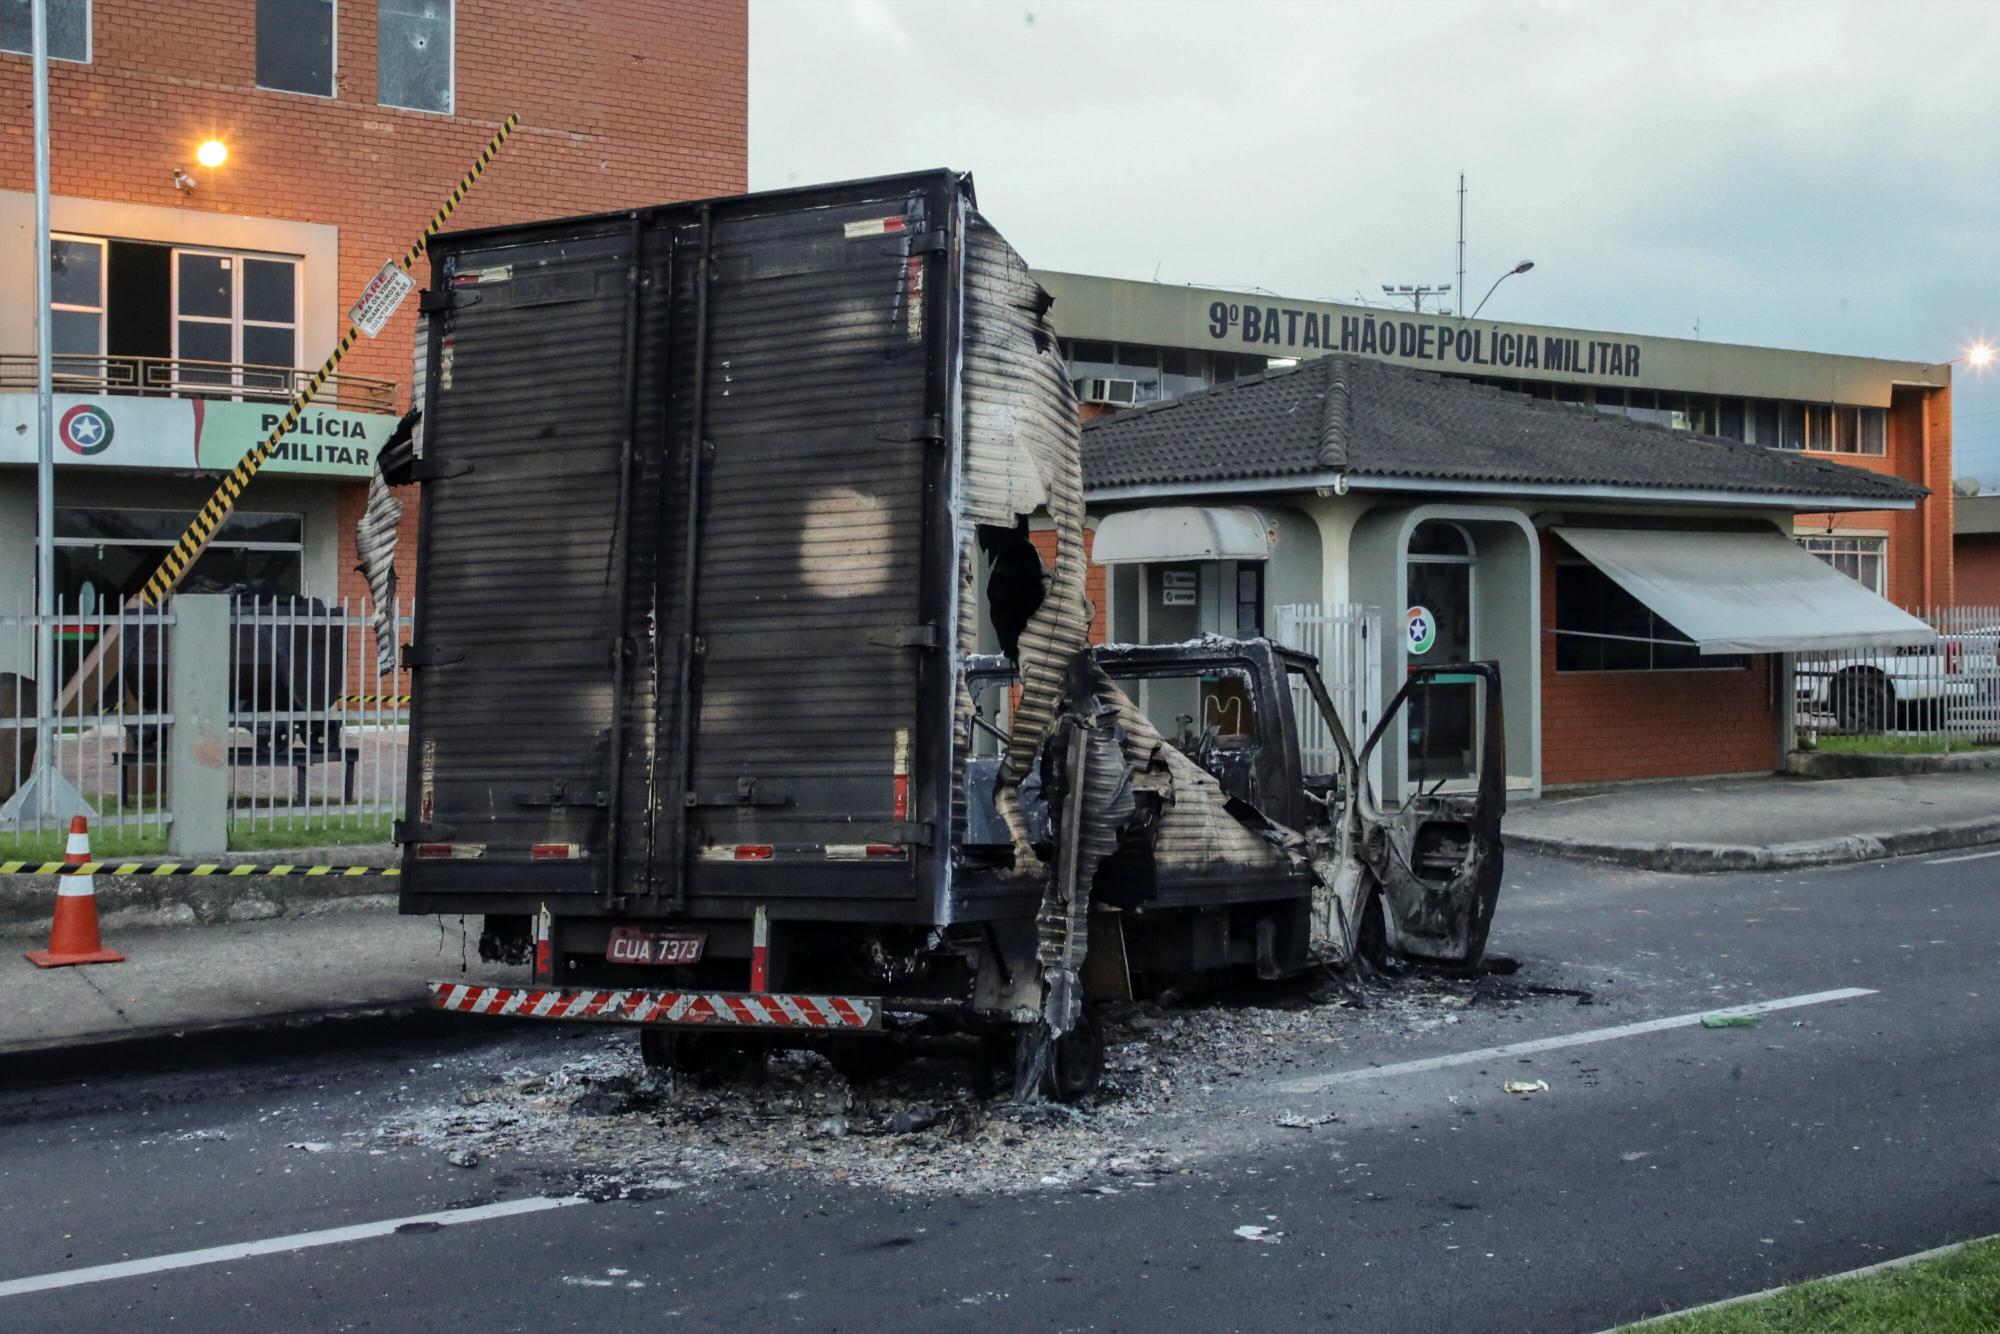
x,y
1461,242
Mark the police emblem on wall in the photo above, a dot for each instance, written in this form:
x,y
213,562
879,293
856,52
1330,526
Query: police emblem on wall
x,y
1420,630
85,429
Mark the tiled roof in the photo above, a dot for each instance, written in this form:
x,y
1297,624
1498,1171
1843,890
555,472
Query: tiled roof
x,y
1368,418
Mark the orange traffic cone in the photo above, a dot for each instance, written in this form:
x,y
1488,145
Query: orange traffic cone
x,y
73,936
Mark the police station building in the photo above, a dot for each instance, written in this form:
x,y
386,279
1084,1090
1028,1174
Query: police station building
x,y
1642,531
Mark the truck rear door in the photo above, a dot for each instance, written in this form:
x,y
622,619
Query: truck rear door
x,y
811,455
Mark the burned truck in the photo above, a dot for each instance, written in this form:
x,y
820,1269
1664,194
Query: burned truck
x,y
749,710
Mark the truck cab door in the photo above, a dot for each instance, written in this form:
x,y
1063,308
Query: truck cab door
x,y
1437,855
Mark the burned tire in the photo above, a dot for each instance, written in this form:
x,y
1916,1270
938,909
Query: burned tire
x,y
1863,700
1076,1065
865,1060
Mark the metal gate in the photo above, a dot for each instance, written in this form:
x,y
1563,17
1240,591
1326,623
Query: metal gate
x,y
1943,695
1345,638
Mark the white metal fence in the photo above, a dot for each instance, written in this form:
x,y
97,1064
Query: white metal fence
x,y
317,736
1949,689
1346,639
109,701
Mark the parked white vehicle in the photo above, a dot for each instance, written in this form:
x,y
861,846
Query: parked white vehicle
x,y
1910,687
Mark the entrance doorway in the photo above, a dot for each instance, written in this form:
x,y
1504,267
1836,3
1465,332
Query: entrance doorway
x,y
1442,735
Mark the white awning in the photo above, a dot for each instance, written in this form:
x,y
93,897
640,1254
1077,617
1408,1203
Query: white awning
x,y
1181,532
1755,592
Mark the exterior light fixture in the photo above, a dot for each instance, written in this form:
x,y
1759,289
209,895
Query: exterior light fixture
x,y
1522,267
1979,356
212,153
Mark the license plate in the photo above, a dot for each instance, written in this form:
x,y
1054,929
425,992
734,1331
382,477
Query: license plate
x,y
629,945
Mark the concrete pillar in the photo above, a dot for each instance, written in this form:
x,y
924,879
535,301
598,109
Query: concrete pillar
x,y
1785,666
198,695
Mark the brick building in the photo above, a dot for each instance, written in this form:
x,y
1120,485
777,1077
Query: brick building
x,y
1976,550
190,299
1622,523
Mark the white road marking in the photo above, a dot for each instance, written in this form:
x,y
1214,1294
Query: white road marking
x,y
1968,857
1583,1039
298,1241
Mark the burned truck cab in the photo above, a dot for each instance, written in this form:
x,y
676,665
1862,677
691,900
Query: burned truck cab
x,y
1256,838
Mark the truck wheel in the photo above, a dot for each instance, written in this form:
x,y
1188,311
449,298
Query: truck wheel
x,y
691,1053
1077,1063
1862,701
865,1060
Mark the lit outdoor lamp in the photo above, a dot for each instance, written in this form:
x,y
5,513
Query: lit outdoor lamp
x,y
1979,356
1522,267
211,153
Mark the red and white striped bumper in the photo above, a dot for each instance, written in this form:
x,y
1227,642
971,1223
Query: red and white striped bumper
x,y
684,1009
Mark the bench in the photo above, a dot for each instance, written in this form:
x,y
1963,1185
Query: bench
x,y
131,756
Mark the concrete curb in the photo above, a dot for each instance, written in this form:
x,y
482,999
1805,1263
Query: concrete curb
x,y
1707,857
126,902
234,1041
1825,765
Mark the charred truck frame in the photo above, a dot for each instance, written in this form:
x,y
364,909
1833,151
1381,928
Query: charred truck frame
x,y
720,501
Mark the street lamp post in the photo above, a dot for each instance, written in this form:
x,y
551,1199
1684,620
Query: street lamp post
x,y
46,793
1522,267
45,441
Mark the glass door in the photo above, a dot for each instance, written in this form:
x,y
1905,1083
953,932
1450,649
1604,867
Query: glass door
x,y
1442,727
236,318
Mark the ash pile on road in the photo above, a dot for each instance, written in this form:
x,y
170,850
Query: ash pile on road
x,y
1175,1082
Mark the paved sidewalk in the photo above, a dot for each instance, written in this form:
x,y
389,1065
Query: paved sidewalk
x,y
246,976
1761,823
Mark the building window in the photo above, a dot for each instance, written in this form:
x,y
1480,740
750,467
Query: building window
x,y
1152,372
1827,428
1183,371
295,46
69,29
104,556
413,54
239,312
1862,559
1140,365
1602,628
76,304
1856,431
1250,599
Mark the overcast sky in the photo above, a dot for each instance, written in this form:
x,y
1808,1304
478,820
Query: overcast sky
x,y
1819,176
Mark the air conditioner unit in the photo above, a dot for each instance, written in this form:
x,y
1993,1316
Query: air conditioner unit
x,y
1098,389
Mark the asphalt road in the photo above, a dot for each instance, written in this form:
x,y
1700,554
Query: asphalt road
x,y
1664,1167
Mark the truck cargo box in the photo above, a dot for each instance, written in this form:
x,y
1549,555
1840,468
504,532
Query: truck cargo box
x,y
704,490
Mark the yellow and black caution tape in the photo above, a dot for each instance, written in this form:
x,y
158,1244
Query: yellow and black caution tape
x,y
371,701
188,868
183,554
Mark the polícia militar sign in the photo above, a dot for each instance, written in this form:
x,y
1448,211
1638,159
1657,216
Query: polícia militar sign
x,y
193,435
1459,344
